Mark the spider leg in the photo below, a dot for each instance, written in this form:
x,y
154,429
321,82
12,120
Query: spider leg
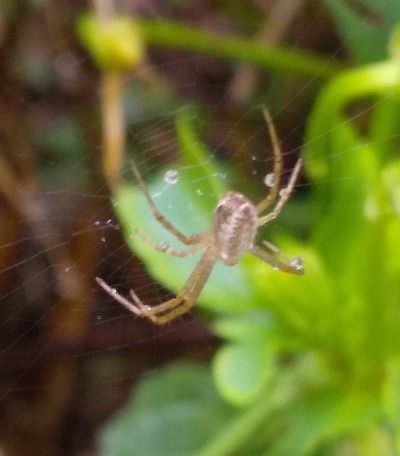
x,y
114,294
184,300
293,265
188,240
285,193
164,247
277,171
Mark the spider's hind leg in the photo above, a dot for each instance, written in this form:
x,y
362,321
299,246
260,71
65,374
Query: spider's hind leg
x,y
185,299
164,247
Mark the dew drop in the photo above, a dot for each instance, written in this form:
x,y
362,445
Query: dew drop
x,y
109,221
97,222
199,192
99,317
253,157
269,180
67,269
282,191
297,263
163,246
103,239
171,177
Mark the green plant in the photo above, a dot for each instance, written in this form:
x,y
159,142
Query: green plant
x,y
309,365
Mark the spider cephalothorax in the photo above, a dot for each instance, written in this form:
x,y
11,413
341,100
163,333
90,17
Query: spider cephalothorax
x,y
232,234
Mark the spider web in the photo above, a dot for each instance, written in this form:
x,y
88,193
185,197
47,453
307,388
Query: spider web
x,y
70,232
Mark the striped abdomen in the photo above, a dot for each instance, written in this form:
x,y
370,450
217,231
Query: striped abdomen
x,y
235,227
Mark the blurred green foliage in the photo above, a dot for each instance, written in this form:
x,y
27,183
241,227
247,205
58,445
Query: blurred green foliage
x,y
310,365
366,26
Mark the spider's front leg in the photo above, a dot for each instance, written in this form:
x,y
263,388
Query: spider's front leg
x,y
277,171
284,195
188,240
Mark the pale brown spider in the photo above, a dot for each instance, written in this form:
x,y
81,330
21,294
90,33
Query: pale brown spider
x,y
236,221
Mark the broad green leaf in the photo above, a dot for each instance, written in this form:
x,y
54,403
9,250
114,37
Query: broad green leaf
x,y
241,372
172,413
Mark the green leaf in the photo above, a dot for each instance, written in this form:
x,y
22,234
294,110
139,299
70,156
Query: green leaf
x,y
243,430
172,413
367,38
320,418
244,327
242,371
200,170
300,303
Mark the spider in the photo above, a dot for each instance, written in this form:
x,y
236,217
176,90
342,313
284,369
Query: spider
x,y
233,231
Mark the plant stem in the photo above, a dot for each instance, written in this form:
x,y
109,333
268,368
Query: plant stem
x,y
113,126
237,434
173,34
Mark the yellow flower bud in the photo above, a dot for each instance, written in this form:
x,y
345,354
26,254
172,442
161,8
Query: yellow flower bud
x,y
115,44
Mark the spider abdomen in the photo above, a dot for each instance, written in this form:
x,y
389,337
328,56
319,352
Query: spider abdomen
x,y
235,227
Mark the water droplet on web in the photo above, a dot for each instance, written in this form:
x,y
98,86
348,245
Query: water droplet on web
x,y
282,191
67,269
269,180
114,203
163,246
99,317
254,173
171,177
253,157
199,192
114,291
103,239
297,263
97,222
109,221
